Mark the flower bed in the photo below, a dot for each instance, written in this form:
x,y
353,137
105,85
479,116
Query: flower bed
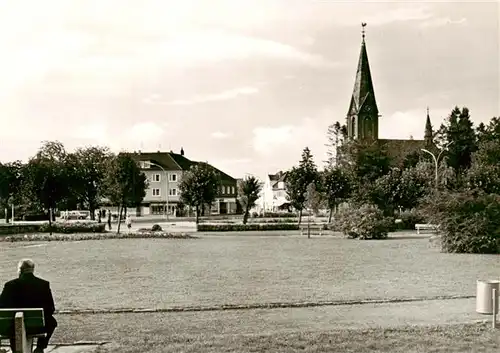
x,y
93,236
245,227
73,227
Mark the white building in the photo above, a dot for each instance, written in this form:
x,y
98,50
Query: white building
x,y
273,194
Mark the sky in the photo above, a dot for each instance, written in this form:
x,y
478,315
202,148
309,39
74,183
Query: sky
x,y
242,84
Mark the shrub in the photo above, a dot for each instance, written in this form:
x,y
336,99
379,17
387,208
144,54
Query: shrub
x,y
469,222
73,227
156,228
365,222
277,214
409,219
36,217
245,227
93,236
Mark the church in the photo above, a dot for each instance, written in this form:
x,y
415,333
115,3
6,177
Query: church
x,y
363,115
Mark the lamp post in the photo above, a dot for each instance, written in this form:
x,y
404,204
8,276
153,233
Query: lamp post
x,y
165,212
436,160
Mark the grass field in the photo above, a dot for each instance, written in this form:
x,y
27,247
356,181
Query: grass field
x,y
139,273
236,269
450,339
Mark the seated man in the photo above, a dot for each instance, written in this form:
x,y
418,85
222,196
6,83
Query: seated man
x,y
29,291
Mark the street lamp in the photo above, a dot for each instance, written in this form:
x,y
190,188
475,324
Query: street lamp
x,y
436,160
166,192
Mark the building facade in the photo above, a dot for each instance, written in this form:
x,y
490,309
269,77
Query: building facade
x,y
273,194
164,171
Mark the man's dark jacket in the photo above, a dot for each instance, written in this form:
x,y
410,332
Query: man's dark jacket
x,y
29,291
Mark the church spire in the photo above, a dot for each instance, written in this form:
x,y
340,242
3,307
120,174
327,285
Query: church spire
x,y
428,136
363,111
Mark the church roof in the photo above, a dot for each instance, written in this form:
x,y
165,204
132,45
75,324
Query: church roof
x,y
363,85
398,149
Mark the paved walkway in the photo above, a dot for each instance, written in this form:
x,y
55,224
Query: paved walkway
x,y
433,312
67,349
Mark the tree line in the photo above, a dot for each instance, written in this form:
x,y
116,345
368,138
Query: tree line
x,y
55,179
366,173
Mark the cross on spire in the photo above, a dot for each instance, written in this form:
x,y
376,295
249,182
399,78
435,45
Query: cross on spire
x,y
363,25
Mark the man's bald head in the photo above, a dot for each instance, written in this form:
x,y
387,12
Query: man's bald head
x,y
26,266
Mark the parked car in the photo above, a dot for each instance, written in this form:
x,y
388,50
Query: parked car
x,y
78,214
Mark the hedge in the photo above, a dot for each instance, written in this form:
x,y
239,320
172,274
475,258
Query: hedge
x,y
73,227
93,236
277,214
245,227
19,228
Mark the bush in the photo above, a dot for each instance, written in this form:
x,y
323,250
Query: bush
x,y
156,228
409,219
92,236
365,222
36,217
73,227
277,214
246,227
469,222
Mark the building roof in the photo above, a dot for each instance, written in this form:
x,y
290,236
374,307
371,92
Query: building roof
x,y
164,159
174,161
363,92
276,178
399,149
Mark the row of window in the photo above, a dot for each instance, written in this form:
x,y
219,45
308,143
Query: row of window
x,y
171,192
227,190
157,177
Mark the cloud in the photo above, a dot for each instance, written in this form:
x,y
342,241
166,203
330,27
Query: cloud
x,y
92,131
217,45
266,139
289,138
220,135
401,14
144,132
443,21
410,123
226,95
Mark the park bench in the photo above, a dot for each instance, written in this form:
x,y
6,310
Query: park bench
x,y
26,324
432,227
314,229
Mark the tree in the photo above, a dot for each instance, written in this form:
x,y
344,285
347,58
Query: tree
x,y
367,160
125,183
248,193
491,132
10,181
402,188
90,166
314,198
336,187
299,178
484,173
461,140
199,186
336,136
46,180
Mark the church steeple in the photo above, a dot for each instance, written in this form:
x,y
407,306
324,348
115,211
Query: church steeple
x,y
362,117
428,136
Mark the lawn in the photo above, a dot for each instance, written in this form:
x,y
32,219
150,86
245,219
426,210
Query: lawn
x,y
155,333
156,273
